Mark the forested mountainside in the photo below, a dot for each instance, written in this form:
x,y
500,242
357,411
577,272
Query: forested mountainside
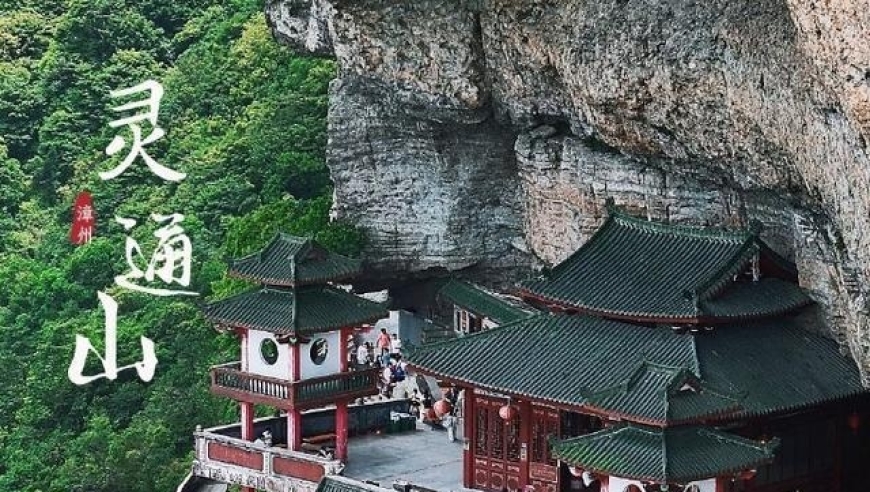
x,y
244,118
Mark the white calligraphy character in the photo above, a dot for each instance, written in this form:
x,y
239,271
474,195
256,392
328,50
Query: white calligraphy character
x,y
136,147
85,214
85,234
145,368
173,253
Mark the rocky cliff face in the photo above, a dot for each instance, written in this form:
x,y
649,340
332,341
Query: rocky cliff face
x,y
488,133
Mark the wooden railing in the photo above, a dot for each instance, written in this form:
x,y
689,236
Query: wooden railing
x,y
228,380
326,388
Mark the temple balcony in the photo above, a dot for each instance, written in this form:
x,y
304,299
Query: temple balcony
x,y
427,457
230,381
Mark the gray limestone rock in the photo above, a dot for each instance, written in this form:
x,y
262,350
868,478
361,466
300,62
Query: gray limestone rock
x,y
467,132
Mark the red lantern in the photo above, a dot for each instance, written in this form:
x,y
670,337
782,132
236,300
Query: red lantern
x,y
854,421
507,412
83,219
441,407
747,474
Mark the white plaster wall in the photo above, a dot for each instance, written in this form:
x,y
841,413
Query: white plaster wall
x,y
256,364
708,485
331,365
617,484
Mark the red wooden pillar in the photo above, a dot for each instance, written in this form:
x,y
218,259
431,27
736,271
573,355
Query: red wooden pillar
x,y
247,411
341,431
468,449
294,430
294,416
341,407
525,441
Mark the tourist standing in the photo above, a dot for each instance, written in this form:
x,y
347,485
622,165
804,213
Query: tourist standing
x,y
395,346
384,347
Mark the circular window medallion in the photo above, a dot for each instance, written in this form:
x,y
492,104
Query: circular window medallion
x,y
269,351
319,349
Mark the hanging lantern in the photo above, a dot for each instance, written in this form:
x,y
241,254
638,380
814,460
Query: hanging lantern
x,y
507,412
747,474
854,421
441,407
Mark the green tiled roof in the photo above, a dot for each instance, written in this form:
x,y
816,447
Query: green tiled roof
x,y
291,260
659,395
636,269
672,455
557,358
309,309
591,362
776,367
335,483
769,296
481,302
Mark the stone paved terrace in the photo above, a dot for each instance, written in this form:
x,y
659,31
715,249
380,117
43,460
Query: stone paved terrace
x,y
424,457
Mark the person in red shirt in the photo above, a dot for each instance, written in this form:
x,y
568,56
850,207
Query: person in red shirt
x,y
384,344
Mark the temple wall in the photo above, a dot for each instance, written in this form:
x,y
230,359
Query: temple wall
x,y
332,363
256,364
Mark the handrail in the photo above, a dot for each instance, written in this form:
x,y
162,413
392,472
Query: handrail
x,y
230,377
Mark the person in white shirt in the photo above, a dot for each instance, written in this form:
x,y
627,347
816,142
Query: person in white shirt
x,y
362,355
395,345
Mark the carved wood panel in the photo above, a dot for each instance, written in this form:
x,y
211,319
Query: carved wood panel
x,y
497,447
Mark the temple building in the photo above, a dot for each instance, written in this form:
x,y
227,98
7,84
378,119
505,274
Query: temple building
x,y
665,358
293,330
476,308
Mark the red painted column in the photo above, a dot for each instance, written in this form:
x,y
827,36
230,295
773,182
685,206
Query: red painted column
x,y
341,431
525,441
468,449
247,411
294,416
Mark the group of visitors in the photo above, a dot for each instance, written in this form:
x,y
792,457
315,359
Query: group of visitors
x,y
385,350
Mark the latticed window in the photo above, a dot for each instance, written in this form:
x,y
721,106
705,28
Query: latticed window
x,y
552,431
538,441
496,435
480,441
513,440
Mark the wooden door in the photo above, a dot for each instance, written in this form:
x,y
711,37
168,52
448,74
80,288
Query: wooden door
x,y
543,473
496,447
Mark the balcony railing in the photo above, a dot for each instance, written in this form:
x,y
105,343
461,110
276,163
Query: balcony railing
x,y
228,380
230,460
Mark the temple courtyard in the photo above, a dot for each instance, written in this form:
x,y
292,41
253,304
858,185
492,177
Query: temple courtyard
x,y
425,458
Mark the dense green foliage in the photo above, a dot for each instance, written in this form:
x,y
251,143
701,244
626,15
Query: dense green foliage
x,y
244,118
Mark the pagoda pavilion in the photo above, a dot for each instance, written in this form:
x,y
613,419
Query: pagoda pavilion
x,y
293,330
667,358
